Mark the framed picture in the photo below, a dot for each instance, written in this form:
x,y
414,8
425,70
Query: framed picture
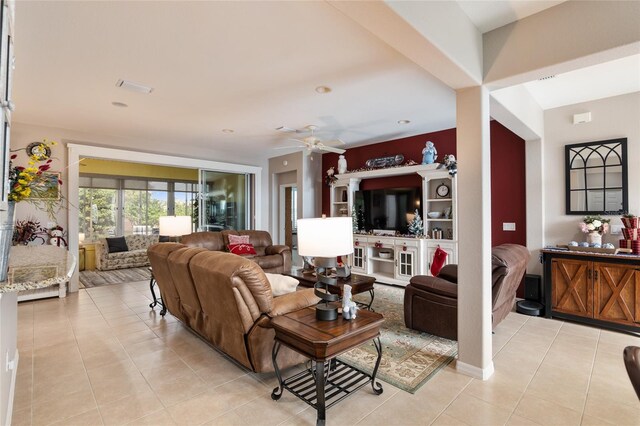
x,y
51,189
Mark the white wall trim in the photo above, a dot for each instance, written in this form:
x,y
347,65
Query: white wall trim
x,y
475,372
78,151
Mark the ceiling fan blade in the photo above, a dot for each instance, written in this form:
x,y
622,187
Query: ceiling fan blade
x,y
289,147
323,147
335,142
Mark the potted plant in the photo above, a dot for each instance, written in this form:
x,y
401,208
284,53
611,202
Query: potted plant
x,y
594,227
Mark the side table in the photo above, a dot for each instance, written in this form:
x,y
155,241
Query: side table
x,y
328,380
359,284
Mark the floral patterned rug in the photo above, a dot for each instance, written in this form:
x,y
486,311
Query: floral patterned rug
x,y
409,357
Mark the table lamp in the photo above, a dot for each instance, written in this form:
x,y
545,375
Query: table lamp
x,y
325,239
175,226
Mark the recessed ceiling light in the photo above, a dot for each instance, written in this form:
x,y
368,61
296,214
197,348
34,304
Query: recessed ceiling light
x,y
323,89
227,130
119,104
134,87
404,121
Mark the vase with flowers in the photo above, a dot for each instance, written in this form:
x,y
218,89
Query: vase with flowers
x,y
29,183
595,227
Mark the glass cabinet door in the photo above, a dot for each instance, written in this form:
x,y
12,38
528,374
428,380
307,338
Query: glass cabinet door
x,y
224,201
405,262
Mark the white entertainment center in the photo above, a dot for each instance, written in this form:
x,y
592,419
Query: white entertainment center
x,y
402,257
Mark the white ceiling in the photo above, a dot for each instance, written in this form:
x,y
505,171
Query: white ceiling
x,y
489,15
596,82
246,66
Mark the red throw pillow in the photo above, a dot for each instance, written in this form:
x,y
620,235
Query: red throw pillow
x,y
439,257
241,249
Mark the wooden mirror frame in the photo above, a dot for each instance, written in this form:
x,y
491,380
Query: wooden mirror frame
x,y
617,146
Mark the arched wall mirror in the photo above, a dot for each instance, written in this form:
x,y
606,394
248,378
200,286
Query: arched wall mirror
x,y
596,177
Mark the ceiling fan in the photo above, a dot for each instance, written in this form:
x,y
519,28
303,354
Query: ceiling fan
x,y
312,143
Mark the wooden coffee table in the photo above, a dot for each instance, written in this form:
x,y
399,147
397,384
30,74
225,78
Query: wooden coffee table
x,y
359,284
322,342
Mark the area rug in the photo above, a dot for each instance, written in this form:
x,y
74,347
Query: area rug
x,y
97,278
409,358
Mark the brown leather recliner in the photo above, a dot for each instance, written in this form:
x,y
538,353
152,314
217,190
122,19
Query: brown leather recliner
x,y
227,300
275,259
431,303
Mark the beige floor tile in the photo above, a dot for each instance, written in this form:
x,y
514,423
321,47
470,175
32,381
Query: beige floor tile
x,y
88,418
563,387
157,418
446,420
177,389
614,388
123,320
60,387
515,420
21,417
106,357
594,421
169,370
231,418
501,390
610,411
53,410
130,408
475,411
198,409
138,337
220,371
401,409
546,412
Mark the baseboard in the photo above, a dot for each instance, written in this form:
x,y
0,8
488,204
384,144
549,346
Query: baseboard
x,y
12,387
475,372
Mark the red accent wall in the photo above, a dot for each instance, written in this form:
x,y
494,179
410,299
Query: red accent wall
x,y
508,186
507,174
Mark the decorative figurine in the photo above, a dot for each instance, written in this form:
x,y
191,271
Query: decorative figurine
x,y
429,153
56,237
342,165
347,312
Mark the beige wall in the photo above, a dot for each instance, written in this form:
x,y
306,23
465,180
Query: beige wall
x,y
612,118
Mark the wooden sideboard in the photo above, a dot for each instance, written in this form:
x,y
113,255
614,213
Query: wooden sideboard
x,y
597,289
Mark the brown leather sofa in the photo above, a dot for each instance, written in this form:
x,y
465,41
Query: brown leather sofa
x,y
227,300
275,259
431,303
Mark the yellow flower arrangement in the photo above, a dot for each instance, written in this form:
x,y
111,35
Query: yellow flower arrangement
x,y
26,182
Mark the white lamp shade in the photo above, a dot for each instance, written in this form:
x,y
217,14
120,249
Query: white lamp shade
x,y
325,237
175,226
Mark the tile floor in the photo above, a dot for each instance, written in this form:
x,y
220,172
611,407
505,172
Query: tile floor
x,y
101,356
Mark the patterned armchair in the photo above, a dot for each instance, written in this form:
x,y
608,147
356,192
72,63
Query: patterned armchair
x,y
135,257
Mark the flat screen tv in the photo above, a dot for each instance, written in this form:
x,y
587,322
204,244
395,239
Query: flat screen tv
x,y
387,208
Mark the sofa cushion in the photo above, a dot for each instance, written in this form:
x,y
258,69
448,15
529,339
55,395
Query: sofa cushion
x,y
268,262
281,284
117,244
238,239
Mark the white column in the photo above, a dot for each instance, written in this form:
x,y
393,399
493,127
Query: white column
x,y
474,233
534,154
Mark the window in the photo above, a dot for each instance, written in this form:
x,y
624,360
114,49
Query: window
x,y
125,206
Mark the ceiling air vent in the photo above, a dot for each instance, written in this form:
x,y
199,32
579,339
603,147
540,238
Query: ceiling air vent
x,y
549,77
134,87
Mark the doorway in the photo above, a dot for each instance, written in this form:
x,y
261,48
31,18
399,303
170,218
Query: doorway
x,y
287,222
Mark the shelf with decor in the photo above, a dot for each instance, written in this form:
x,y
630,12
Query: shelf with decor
x,y
409,256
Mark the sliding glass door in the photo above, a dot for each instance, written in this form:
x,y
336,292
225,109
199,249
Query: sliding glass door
x,y
225,201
